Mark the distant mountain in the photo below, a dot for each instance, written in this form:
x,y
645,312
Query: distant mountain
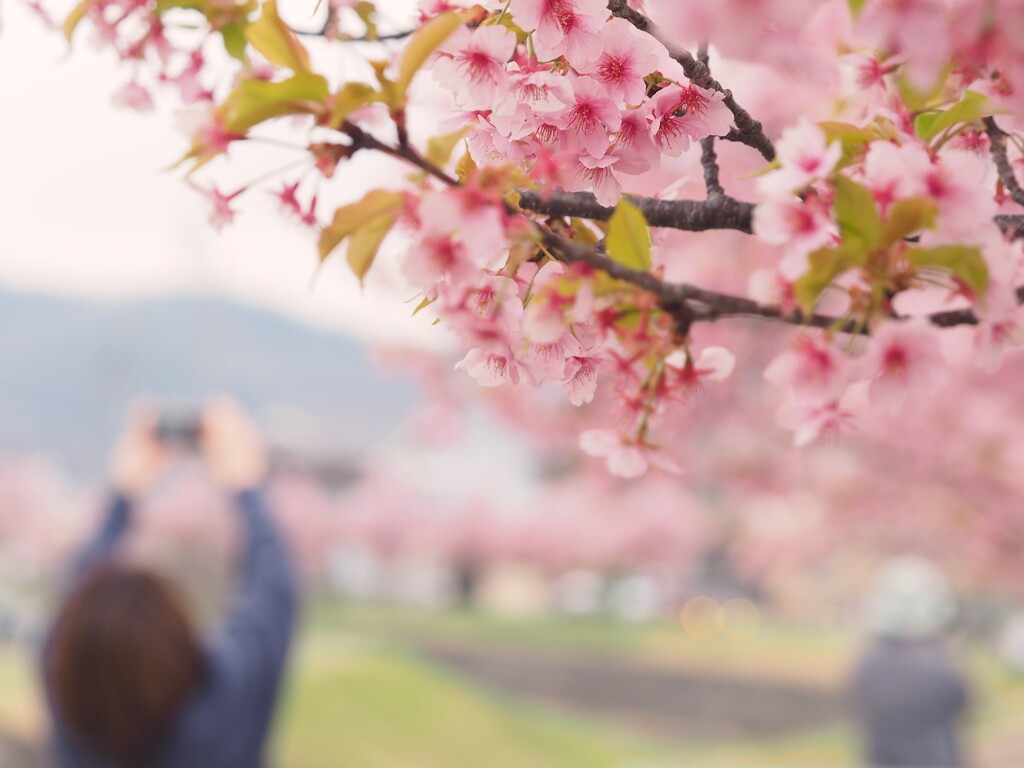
x,y
68,367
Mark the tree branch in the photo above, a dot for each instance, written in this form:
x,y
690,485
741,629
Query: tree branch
x,y
718,212
688,303
709,162
997,145
747,131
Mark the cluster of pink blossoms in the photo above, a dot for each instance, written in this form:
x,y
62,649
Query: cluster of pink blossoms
x,y
594,103
877,210
825,384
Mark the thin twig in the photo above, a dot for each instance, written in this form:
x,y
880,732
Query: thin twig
x,y
748,130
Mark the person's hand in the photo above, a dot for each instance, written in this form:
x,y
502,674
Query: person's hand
x,y
138,458
232,446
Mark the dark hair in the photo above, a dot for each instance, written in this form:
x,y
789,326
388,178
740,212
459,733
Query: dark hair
x,y
122,660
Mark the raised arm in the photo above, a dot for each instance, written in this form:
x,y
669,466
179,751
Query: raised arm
x,y
253,641
137,460
250,650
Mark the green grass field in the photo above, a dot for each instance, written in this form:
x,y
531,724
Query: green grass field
x,y
359,698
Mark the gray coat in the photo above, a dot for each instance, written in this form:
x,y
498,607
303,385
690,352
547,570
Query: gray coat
x,y
909,697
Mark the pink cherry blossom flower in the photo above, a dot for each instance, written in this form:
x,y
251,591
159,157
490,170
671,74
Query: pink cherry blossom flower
x,y
472,64
221,213
545,362
191,90
134,96
685,377
597,175
903,357
490,367
681,115
589,119
993,337
206,129
581,371
563,27
433,257
804,155
813,368
800,225
892,172
486,311
287,196
625,457
813,420
634,145
626,58
769,287
544,322
959,183
474,217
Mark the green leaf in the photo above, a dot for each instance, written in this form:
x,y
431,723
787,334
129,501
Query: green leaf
x,y
465,167
275,40
824,266
351,97
907,217
424,42
367,12
918,99
234,40
629,239
924,123
75,17
255,101
350,218
856,213
855,6
972,106
852,138
440,148
365,242
963,261
426,302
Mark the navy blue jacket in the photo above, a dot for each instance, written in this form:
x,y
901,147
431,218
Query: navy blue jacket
x,y
225,724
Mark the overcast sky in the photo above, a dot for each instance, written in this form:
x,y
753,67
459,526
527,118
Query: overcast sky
x,y
87,209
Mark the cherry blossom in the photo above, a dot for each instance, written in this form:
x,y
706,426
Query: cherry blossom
x,y
903,357
625,457
590,117
563,27
134,96
221,212
625,59
472,63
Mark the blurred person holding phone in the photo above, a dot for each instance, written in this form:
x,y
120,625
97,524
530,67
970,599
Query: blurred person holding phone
x,y
129,681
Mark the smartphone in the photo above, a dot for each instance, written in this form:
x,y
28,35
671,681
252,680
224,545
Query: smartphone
x,y
180,429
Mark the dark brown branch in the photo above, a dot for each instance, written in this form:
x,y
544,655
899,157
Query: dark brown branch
x,y
747,131
688,303
719,212
1012,226
997,145
708,157
709,162
363,140
699,305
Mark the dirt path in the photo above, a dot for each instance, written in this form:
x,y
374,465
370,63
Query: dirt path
x,y
670,703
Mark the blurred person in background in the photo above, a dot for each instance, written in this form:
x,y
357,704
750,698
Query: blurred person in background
x,y
908,695
129,682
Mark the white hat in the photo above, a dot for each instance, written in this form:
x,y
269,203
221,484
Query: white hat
x,y
910,598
